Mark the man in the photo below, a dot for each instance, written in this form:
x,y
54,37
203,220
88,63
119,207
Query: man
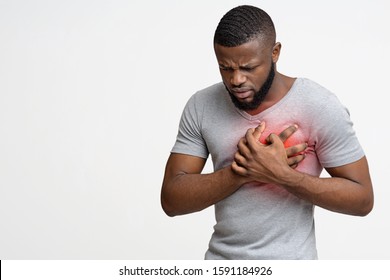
x,y
265,185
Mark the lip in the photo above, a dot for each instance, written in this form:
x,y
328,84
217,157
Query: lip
x,y
242,93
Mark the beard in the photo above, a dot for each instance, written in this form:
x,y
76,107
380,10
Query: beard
x,y
258,97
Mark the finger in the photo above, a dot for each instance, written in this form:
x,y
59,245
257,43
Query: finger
x,y
295,160
294,150
243,148
285,134
259,130
274,139
251,140
238,169
294,166
239,159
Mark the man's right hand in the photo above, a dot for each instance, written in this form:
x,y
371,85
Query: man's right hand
x,y
295,154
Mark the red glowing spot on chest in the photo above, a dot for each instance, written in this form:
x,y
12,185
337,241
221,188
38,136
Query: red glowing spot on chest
x,y
294,139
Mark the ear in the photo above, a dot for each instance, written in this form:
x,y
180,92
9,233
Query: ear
x,y
276,52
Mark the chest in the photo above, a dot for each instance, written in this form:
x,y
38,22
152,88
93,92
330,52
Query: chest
x,y
223,134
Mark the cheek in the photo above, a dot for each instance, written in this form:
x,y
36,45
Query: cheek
x,y
258,79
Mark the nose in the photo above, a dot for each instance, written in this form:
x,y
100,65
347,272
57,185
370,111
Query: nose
x,y
237,78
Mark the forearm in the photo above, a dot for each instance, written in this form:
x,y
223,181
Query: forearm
x,y
187,193
335,194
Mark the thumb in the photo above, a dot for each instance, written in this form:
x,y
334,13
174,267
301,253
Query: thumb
x,y
274,139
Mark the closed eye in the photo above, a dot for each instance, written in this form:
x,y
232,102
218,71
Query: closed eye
x,y
242,68
225,68
248,68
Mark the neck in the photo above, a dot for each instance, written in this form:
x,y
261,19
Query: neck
x,y
280,87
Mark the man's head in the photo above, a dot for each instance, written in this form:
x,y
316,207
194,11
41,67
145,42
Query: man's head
x,y
243,24
246,51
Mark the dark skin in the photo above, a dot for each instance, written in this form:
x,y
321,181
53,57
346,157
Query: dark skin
x,y
244,70
186,190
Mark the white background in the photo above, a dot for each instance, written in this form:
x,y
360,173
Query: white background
x,y
91,94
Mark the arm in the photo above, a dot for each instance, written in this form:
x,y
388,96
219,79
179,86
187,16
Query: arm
x,y
349,191
185,190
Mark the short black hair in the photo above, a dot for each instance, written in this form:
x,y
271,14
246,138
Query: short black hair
x,y
243,24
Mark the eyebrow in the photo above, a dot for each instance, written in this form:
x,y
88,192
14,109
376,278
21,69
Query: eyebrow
x,y
246,66
223,66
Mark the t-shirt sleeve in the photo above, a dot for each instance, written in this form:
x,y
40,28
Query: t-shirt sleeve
x,y
337,143
189,139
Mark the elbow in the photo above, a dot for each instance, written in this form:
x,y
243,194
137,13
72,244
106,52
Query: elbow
x,y
168,207
166,203
172,208
366,206
168,210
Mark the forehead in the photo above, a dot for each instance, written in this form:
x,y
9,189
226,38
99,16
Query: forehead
x,y
252,51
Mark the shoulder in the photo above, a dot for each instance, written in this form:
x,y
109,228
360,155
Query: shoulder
x,y
316,96
209,99
313,90
211,93
206,100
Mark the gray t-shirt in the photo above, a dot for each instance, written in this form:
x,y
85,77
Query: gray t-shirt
x,y
264,221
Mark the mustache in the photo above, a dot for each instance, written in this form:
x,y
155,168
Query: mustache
x,y
240,89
